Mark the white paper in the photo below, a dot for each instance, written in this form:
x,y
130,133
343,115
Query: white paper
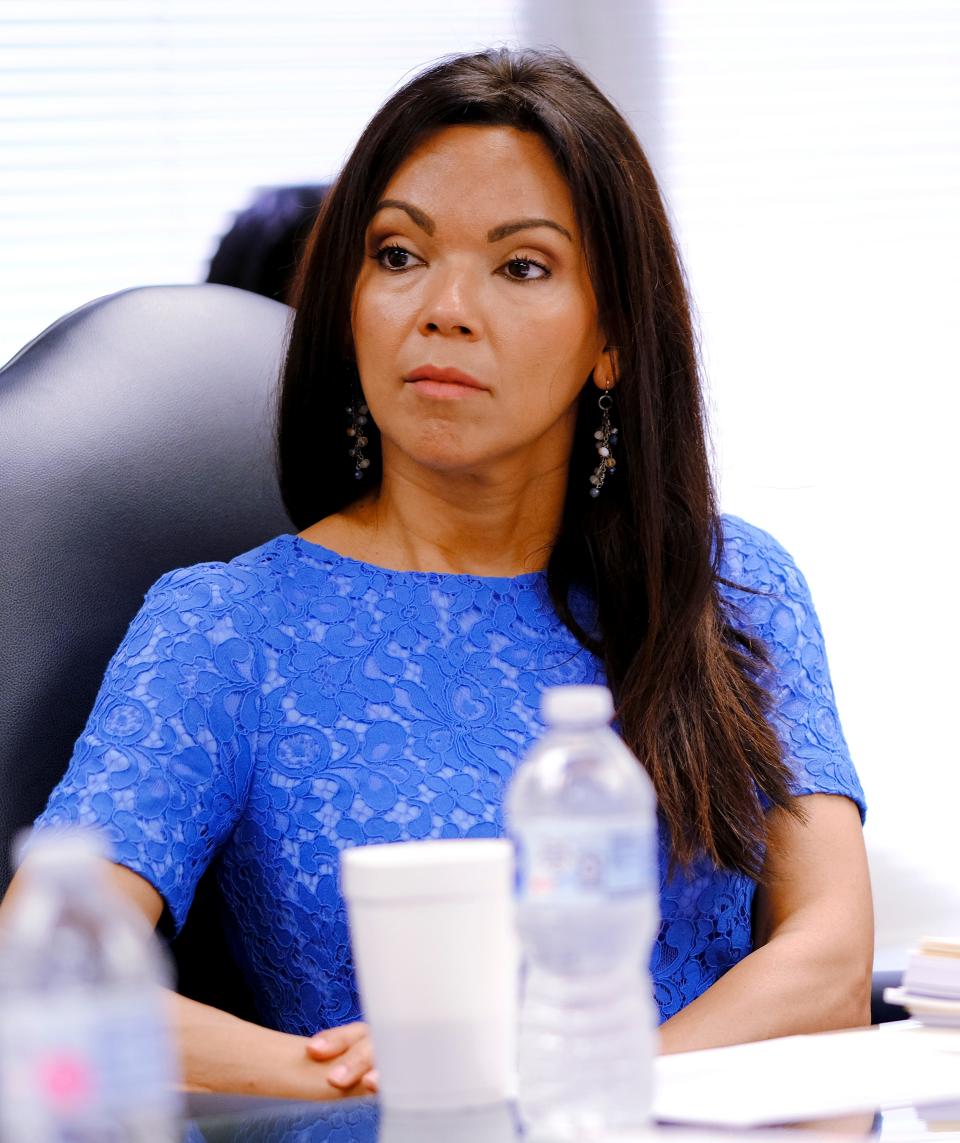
x,y
808,1077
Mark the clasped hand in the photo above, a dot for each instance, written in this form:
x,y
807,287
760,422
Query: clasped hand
x,y
349,1050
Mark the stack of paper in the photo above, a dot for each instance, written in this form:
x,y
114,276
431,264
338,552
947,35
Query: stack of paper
x,y
931,983
809,1077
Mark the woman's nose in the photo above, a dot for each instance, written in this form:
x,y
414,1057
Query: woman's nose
x,y
450,305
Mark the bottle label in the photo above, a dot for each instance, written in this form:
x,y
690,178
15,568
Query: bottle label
x,y
85,1054
582,862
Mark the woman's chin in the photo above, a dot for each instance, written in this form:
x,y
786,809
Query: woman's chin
x,y
441,451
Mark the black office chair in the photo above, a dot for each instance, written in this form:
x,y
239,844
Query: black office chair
x,y
135,437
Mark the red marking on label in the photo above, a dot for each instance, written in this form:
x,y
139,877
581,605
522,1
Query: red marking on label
x,y
66,1080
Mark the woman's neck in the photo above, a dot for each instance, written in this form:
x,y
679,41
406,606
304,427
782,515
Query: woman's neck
x,y
426,521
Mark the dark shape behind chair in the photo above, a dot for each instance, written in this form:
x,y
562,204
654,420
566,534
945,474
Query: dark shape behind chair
x,y
261,249
135,437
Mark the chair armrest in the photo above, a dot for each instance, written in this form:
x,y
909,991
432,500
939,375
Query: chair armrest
x,y
880,1011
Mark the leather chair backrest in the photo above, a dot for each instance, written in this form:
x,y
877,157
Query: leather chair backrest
x,y
136,436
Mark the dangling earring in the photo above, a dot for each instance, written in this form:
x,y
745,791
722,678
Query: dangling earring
x,y
606,438
359,415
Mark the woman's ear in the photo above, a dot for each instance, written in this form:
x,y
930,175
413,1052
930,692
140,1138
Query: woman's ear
x,y
606,371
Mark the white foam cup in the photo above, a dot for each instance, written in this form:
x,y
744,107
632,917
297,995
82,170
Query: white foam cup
x,y
496,1123
431,925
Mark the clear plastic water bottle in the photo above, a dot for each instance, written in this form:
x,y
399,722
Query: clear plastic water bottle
x,y
86,1048
582,813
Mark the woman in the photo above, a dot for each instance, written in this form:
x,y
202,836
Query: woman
x,y
491,436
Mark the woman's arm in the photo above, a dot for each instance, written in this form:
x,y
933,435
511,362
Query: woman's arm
x,y
813,928
221,1053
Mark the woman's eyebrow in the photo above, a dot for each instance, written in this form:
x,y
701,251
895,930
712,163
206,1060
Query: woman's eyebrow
x,y
424,221
508,228
504,230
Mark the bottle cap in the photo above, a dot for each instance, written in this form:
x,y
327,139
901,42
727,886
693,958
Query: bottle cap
x,y
577,706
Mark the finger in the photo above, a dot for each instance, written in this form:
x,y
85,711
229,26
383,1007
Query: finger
x,y
334,1041
352,1066
371,1081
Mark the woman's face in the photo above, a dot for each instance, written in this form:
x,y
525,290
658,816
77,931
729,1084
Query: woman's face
x,y
474,319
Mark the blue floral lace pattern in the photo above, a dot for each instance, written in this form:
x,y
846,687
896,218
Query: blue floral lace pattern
x,y
339,1121
269,712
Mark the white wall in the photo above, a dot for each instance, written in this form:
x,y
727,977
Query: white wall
x,y
809,152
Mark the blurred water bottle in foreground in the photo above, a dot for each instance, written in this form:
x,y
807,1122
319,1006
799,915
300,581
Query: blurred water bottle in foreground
x,y
86,1049
582,812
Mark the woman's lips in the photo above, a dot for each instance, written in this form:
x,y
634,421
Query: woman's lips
x,y
445,384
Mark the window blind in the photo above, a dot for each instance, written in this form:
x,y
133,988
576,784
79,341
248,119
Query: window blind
x,y
130,130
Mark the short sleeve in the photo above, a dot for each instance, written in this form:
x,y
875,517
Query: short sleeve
x,y
164,762
779,610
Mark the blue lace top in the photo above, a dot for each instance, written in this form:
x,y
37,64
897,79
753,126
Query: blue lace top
x,y
268,712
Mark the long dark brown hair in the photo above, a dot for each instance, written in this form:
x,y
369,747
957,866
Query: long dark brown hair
x,y
688,683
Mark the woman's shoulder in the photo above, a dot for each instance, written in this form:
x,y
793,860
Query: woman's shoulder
x,y
259,564
268,576
752,558
764,590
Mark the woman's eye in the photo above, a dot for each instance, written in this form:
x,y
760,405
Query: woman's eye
x,y
394,257
525,270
